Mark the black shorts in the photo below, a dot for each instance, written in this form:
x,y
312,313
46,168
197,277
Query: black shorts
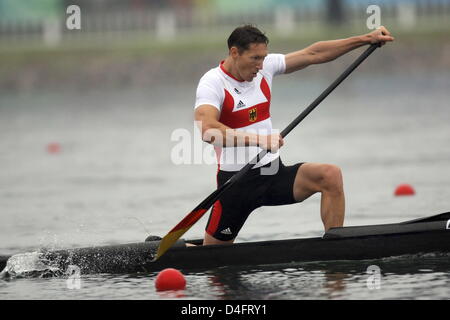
x,y
254,190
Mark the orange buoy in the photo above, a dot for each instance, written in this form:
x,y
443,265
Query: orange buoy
x,y
404,190
170,279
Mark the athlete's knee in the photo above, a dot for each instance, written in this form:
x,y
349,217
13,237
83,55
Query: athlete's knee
x,y
330,178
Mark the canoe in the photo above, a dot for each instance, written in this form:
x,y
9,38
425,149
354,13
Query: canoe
x,y
424,235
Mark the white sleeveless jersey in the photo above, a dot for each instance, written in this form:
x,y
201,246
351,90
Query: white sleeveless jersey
x,y
243,105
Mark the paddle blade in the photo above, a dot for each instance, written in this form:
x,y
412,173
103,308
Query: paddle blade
x,y
170,238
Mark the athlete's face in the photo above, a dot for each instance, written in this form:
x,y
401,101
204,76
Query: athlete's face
x,y
250,61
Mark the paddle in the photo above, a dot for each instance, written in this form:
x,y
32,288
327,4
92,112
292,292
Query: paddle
x,y
184,225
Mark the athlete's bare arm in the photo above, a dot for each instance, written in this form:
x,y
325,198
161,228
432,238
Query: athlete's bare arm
x,y
325,51
218,134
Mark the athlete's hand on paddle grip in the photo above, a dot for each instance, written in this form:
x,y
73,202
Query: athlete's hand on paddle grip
x,y
380,35
270,143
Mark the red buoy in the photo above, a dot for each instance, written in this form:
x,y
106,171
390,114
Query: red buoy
x,y
53,148
170,279
404,190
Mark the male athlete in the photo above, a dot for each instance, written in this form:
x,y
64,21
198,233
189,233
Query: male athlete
x,y
232,110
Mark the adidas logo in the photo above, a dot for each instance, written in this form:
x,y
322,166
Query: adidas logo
x,y
237,91
226,231
240,104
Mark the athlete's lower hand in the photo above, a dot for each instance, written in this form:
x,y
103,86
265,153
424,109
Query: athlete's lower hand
x,y
270,143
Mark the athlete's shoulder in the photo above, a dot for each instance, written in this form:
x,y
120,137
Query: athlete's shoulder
x,y
210,89
211,77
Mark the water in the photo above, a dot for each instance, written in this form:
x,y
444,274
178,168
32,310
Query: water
x,y
113,182
427,279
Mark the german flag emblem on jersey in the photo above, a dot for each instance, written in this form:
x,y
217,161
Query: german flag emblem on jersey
x,y
252,115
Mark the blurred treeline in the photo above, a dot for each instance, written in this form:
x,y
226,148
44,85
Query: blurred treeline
x,y
140,43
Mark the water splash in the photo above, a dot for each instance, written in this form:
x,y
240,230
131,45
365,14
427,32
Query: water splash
x,y
30,264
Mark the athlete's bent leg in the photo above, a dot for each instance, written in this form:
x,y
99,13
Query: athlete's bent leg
x,y
327,179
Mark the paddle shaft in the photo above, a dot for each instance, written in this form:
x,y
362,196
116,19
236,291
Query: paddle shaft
x,y
200,210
